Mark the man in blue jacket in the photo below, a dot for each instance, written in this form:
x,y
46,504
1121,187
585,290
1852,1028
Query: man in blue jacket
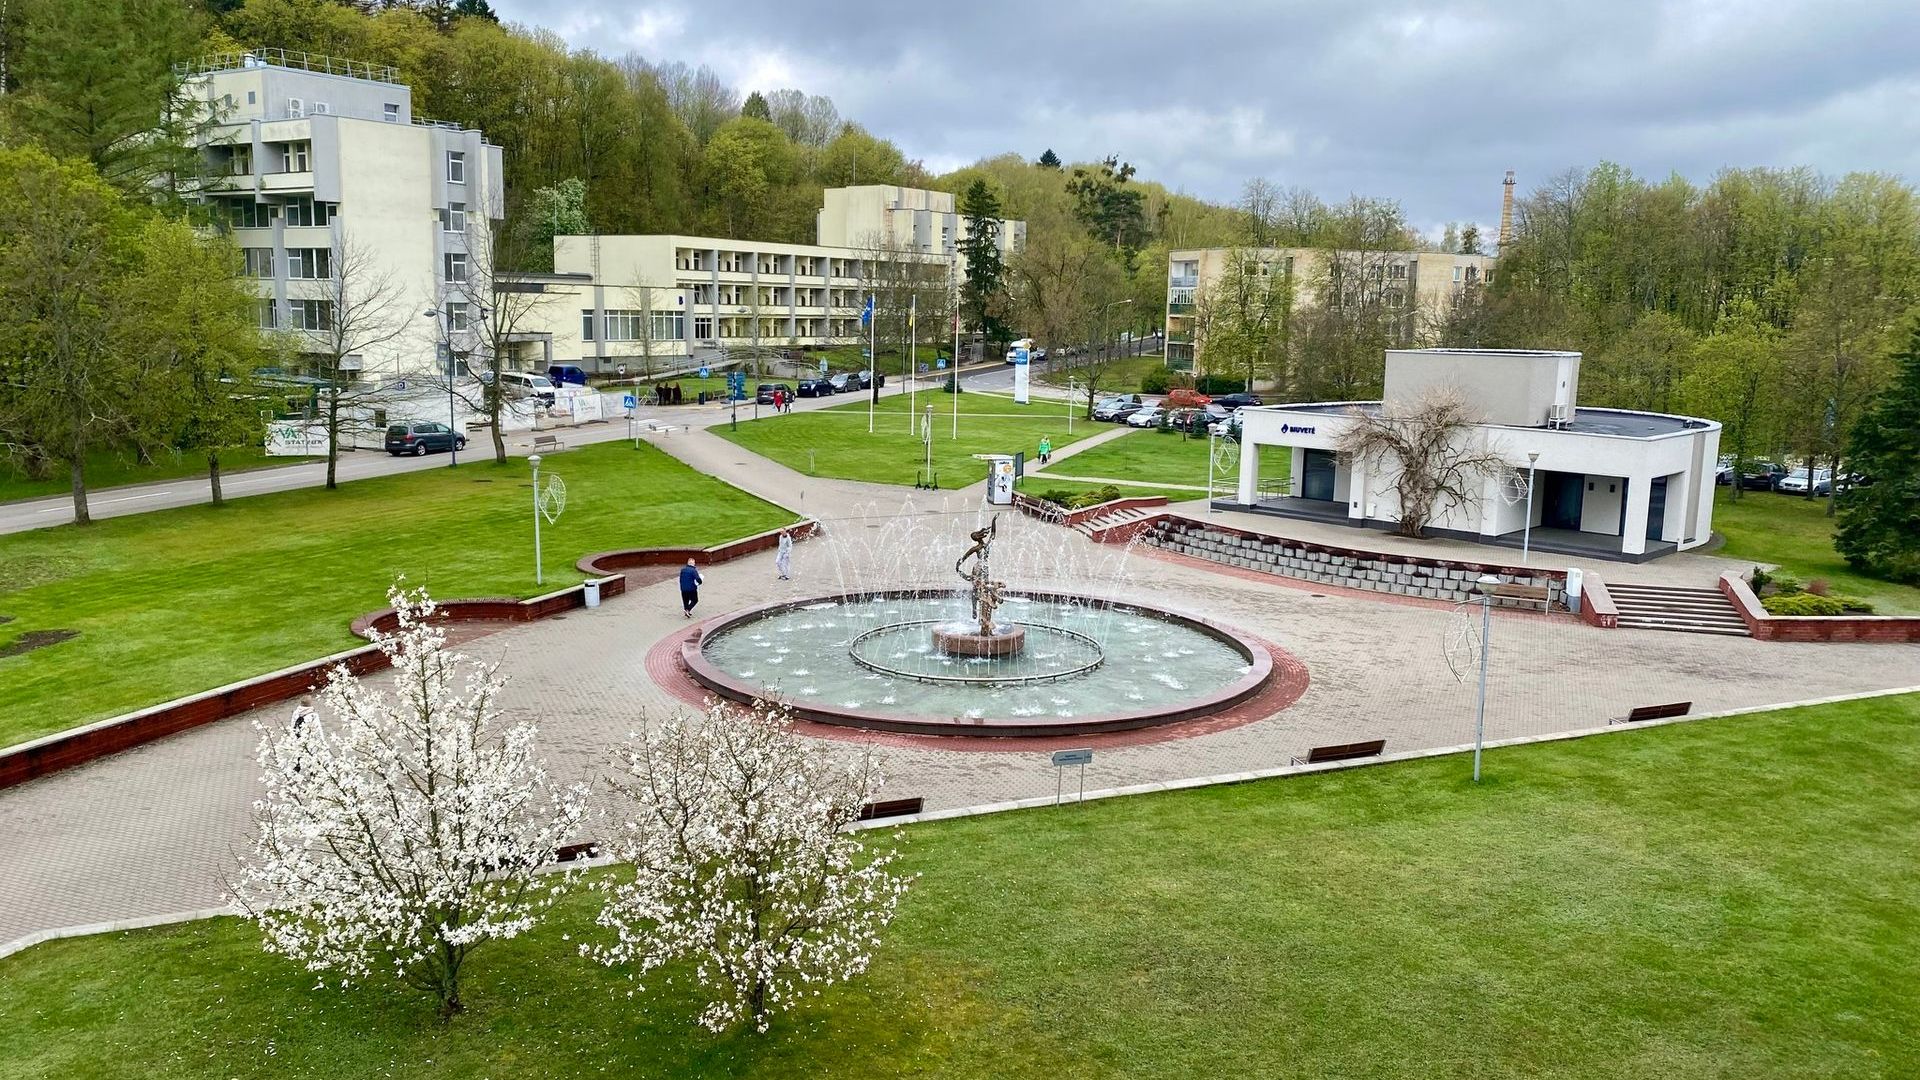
x,y
690,581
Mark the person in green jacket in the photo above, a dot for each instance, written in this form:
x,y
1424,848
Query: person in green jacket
x,y
1046,449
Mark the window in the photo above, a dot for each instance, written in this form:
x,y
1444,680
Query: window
x,y
247,214
392,110
457,316
299,157
586,325
240,161
669,326
456,266
258,262
624,325
309,262
1456,273
456,167
310,314
251,99
703,328
457,217
267,313
306,212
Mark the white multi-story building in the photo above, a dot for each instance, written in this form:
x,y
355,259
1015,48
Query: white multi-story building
x,y
1613,483
900,218
319,163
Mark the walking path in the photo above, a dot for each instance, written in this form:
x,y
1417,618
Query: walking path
x,y
157,828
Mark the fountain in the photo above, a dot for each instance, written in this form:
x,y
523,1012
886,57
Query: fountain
x,y
985,659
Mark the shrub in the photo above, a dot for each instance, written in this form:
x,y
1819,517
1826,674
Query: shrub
x,y
1803,603
1094,497
1818,586
1760,580
1155,381
1219,384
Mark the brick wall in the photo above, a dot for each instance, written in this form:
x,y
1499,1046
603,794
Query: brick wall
x,y
1881,628
1404,575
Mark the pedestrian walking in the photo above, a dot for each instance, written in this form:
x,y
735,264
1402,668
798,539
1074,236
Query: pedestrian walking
x,y
304,718
783,561
1046,449
690,582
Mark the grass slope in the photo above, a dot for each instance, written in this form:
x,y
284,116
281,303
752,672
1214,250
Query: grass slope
x,y
1726,899
835,442
113,468
1151,457
177,601
1797,534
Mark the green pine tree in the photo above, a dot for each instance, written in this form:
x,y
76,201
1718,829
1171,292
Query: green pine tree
x,y
1879,531
983,297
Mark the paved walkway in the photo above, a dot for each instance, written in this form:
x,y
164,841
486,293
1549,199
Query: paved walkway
x,y
155,829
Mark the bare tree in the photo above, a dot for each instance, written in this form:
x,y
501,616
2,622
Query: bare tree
x,y
360,308
909,289
484,311
1061,284
1428,450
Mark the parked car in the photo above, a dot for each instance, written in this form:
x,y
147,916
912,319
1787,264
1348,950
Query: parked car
x,y
1230,424
1108,408
1761,475
1127,412
814,388
763,394
870,379
528,384
844,382
422,437
1795,483
1237,401
564,374
1183,398
1723,472
1149,416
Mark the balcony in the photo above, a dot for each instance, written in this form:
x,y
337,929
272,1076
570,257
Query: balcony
x,y
1184,307
1174,338
1190,281
287,181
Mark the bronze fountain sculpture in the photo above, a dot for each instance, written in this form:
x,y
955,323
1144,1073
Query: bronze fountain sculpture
x,y
988,639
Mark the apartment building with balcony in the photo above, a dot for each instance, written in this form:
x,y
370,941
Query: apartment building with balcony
x,y
1430,279
318,163
890,217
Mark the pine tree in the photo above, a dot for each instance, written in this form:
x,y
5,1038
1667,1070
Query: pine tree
x,y
1049,160
756,107
983,296
1879,531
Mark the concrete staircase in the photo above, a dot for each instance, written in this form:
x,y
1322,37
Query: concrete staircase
x,y
1092,527
1669,607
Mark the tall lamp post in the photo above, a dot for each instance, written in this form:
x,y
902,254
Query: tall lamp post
x,y
444,323
538,578
1485,584
1526,535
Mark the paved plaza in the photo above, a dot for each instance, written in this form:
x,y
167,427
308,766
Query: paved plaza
x,y
155,829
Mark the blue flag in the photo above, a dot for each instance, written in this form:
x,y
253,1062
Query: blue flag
x,y
866,313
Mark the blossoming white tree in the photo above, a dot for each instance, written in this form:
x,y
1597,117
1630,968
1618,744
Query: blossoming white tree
x,y
743,868
405,829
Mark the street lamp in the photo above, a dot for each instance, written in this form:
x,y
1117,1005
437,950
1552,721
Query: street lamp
x,y
1485,583
446,350
1526,535
534,460
1103,319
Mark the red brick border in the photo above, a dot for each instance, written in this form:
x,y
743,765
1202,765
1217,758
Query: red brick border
x,y
1896,629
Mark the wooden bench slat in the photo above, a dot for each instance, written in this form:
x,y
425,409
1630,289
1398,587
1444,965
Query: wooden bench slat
x,y
886,808
1343,752
1655,712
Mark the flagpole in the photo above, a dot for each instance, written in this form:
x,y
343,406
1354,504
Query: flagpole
x,y
913,360
955,274
873,360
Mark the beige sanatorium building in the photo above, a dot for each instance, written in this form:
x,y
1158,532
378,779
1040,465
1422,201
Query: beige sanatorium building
x,y
1432,278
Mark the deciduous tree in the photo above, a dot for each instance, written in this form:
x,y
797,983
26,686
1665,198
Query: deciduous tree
x,y
399,831
743,867
1428,450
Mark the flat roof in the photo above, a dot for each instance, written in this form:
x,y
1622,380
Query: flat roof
x,y
1620,422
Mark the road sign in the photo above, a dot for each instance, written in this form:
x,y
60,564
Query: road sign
x,y
627,401
1073,757
704,373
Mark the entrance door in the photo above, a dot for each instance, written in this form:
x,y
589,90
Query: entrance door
x,y
1656,508
1317,481
1563,494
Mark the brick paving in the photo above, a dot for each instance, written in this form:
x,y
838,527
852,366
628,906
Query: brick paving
x,y
155,829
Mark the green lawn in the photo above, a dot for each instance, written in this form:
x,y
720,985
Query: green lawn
x,y
835,442
1797,534
1726,899
1153,457
176,601
112,468
1121,377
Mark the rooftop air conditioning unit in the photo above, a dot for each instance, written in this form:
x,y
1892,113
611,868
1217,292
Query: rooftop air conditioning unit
x,y
321,108
1559,415
295,108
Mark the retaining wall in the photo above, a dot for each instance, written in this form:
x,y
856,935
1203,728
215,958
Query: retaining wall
x,y
1403,575
1768,627
1596,604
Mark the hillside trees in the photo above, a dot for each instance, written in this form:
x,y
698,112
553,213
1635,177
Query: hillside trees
x,y
1879,531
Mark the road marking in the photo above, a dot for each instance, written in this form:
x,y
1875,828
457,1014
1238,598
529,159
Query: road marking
x,y
130,498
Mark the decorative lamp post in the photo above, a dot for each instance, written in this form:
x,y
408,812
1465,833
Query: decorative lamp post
x,y
446,351
538,579
1484,584
1526,536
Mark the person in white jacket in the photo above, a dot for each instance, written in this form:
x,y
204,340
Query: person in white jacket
x,y
783,560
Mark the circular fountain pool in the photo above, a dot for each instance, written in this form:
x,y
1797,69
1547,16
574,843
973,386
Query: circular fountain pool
x,y
872,661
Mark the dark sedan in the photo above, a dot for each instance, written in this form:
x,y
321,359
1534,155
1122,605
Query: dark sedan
x,y
1237,401
814,388
1761,475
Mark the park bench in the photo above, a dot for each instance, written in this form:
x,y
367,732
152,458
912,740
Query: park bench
x,y
569,852
544,443
1526,594
890,808
1654,712
1343,752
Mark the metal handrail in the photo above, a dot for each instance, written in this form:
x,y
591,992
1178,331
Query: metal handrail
x,y
286,58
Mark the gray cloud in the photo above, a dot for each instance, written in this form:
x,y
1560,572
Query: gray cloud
x,y
1425,102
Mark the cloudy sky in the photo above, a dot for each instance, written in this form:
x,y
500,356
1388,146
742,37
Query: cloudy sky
x,y
1425,102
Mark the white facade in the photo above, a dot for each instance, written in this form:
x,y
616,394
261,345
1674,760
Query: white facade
x,y
1605,481
313,158
889,217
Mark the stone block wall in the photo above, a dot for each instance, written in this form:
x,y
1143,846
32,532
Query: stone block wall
x,y
1401,575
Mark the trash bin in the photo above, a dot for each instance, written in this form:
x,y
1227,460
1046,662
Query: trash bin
x,y
591,591
1575,586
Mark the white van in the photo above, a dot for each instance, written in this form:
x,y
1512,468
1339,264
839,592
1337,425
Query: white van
x,y
528,384
1023,343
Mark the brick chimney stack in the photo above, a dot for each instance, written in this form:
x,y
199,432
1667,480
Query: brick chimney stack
x,y
1506,212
